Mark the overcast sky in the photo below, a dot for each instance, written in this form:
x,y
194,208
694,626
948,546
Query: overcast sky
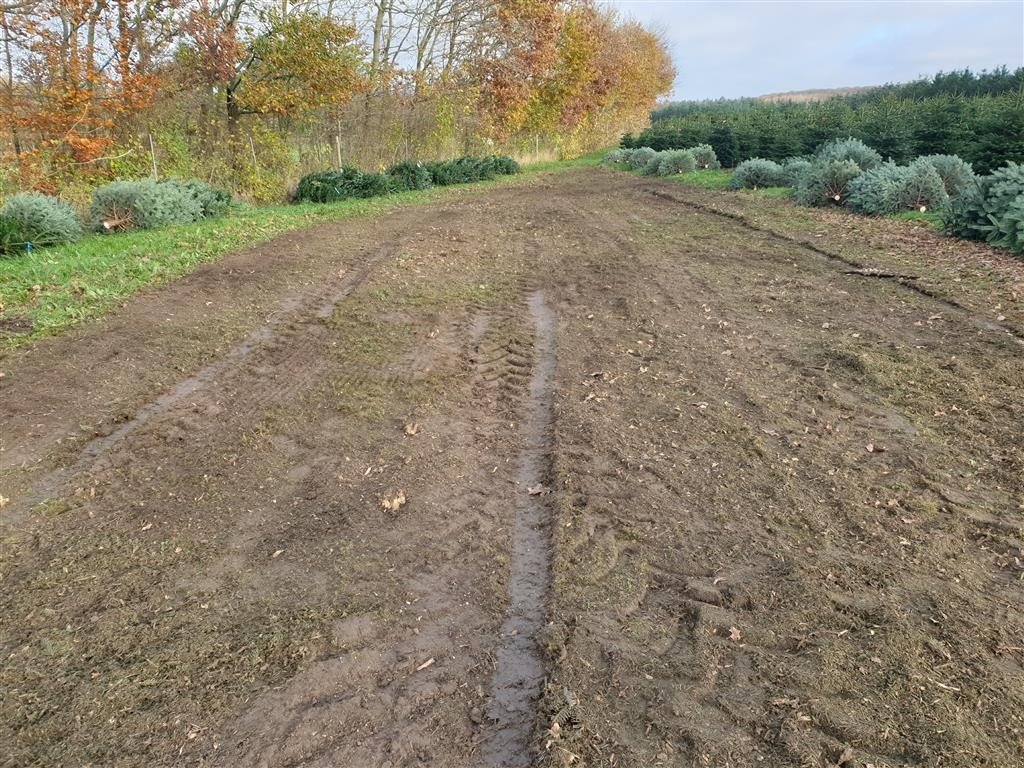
x,y
752,47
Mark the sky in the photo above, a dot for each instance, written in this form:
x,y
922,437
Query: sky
x,y
752,47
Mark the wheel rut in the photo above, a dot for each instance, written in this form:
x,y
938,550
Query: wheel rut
x,y
519,670
286,319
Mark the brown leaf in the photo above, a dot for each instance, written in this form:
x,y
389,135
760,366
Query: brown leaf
x,y
392,504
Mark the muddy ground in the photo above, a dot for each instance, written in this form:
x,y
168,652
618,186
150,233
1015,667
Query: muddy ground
x,y
584,470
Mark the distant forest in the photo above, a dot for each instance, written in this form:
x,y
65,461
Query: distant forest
x,y
978,116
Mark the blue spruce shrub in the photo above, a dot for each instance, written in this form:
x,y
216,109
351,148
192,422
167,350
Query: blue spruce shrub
x,y
956,174
616,156
40,220
876,192
213,201
676,161
922,188
652,165
826,182
147,204
757,173
13,240
991,209
851,149
793,168
704,156
640,157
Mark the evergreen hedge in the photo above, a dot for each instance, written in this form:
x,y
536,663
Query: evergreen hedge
x,y
345,183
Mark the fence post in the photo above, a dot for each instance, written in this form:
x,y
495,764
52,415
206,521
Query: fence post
x,y
152,155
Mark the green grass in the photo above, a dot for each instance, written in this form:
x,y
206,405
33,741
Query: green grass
x,y
588,160
711,178
770,192
57,288
932,219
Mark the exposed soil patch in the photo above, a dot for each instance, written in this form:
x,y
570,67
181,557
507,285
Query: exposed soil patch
x,y
11,326
294,527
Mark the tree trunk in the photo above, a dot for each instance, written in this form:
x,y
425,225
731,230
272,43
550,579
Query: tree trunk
x,y
234,114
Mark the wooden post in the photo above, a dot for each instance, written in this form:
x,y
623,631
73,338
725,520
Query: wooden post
x,y
152,155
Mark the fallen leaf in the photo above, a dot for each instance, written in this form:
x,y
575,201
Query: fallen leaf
x,y
734,633
3,501
392,504
276,554
412,429
538,490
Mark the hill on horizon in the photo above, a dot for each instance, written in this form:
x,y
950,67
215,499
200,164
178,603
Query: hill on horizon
x,y
815,94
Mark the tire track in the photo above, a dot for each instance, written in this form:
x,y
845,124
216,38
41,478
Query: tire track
x,y
262,338
519,670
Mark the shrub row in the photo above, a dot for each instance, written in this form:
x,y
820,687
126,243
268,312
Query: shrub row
x,y
848,172
30,219
348,183
668,163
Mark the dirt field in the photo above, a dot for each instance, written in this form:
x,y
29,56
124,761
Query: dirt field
x,y
587,470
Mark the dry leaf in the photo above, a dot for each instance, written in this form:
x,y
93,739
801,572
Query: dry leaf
x,y
3,501
538,490
412,429
276,554
734,633
392,504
